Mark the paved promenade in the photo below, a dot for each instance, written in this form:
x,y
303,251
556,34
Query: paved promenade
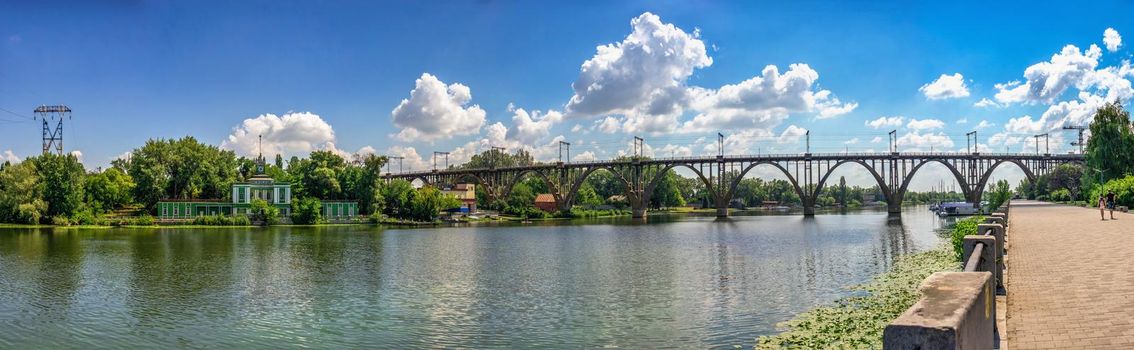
x,y
1070,278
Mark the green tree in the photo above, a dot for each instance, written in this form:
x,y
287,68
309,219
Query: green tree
x,y
108,190
182,169
428,203
398,195
1110,150
587,196
998,193
266,213
21,194
306,211
63,177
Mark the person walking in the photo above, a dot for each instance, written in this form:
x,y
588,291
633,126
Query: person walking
x,y
1110,203
1102,207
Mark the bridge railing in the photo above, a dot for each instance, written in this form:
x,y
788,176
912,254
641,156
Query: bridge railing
x,y
766,156
958,309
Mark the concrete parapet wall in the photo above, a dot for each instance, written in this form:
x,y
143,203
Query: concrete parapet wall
x,y
957,311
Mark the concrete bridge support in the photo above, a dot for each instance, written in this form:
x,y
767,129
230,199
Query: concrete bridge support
x,y
894,206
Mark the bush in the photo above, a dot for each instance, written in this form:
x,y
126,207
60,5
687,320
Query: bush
x,y
60,221
1061,195
84,217
961,229
266,213
144,220
307,211
1123,189
222,220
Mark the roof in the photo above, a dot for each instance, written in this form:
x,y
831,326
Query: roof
x,y
545,198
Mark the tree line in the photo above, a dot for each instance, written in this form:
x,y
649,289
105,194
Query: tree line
x,y
57,189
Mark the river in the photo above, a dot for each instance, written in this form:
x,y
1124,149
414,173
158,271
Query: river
x,y
674,282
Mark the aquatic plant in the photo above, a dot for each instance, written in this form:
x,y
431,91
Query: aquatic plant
x,y
857,322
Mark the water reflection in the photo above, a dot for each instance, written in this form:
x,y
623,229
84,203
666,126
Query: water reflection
x,y
676,281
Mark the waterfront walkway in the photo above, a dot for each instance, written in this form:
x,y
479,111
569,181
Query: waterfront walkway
x,y
1070,278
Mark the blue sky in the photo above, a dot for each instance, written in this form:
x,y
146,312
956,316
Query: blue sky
x,y
332,75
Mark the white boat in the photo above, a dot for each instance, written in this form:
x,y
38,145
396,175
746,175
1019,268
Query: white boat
x,y
957,209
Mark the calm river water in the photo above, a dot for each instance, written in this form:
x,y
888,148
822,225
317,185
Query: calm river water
x,y
676,282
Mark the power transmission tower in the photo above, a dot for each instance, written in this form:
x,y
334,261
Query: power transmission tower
x,y
53,138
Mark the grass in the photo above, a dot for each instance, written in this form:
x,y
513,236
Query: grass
x,y
857,322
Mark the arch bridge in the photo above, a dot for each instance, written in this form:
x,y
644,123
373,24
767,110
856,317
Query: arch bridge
x,y
807,173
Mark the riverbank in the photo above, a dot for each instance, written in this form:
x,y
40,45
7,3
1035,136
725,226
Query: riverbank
x,y
858,321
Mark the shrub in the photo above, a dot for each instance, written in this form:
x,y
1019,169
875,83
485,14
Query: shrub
x,y
60,220
222,220
1061,195
307,211
961,229
1123,189
84,217
144,220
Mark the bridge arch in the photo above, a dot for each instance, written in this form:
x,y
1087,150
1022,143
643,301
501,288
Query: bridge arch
x,y
874,173
520,177
1028,172
804,198
653,183
901,194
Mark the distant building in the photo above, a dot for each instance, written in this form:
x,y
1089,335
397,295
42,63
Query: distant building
x,y
545,202
466,193
259,186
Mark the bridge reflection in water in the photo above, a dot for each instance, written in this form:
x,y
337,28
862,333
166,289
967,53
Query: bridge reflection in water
x,y
721,174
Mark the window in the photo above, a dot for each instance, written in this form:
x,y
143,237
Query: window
x,y
175,210
164,210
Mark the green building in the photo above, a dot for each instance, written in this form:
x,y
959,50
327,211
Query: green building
x,y
260,186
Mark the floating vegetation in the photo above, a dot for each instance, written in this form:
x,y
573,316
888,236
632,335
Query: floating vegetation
x,y
857,322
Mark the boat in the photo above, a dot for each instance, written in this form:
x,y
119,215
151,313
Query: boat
x,y
957,209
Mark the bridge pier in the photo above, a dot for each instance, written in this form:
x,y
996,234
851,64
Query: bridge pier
x,y
893,206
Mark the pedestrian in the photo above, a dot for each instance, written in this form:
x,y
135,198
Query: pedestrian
x,y
1102,207
1110,203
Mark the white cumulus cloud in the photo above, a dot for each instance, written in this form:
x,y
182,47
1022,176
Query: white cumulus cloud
x,y
435,110
925,124
946,87
764,101
1112,39
986,103
644,74
791,134
9,156
883,122
916,141
532,126
290,134
1046,81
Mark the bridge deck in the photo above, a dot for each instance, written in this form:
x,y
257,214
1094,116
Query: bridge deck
x,y
1071,279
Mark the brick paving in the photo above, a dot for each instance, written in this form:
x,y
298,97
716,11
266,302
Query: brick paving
x,y
1070,278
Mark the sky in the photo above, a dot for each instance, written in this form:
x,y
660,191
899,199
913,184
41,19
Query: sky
x,y
416,77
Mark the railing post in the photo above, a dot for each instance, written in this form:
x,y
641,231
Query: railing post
x,y
958,311
997,232
988,255
1002,216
